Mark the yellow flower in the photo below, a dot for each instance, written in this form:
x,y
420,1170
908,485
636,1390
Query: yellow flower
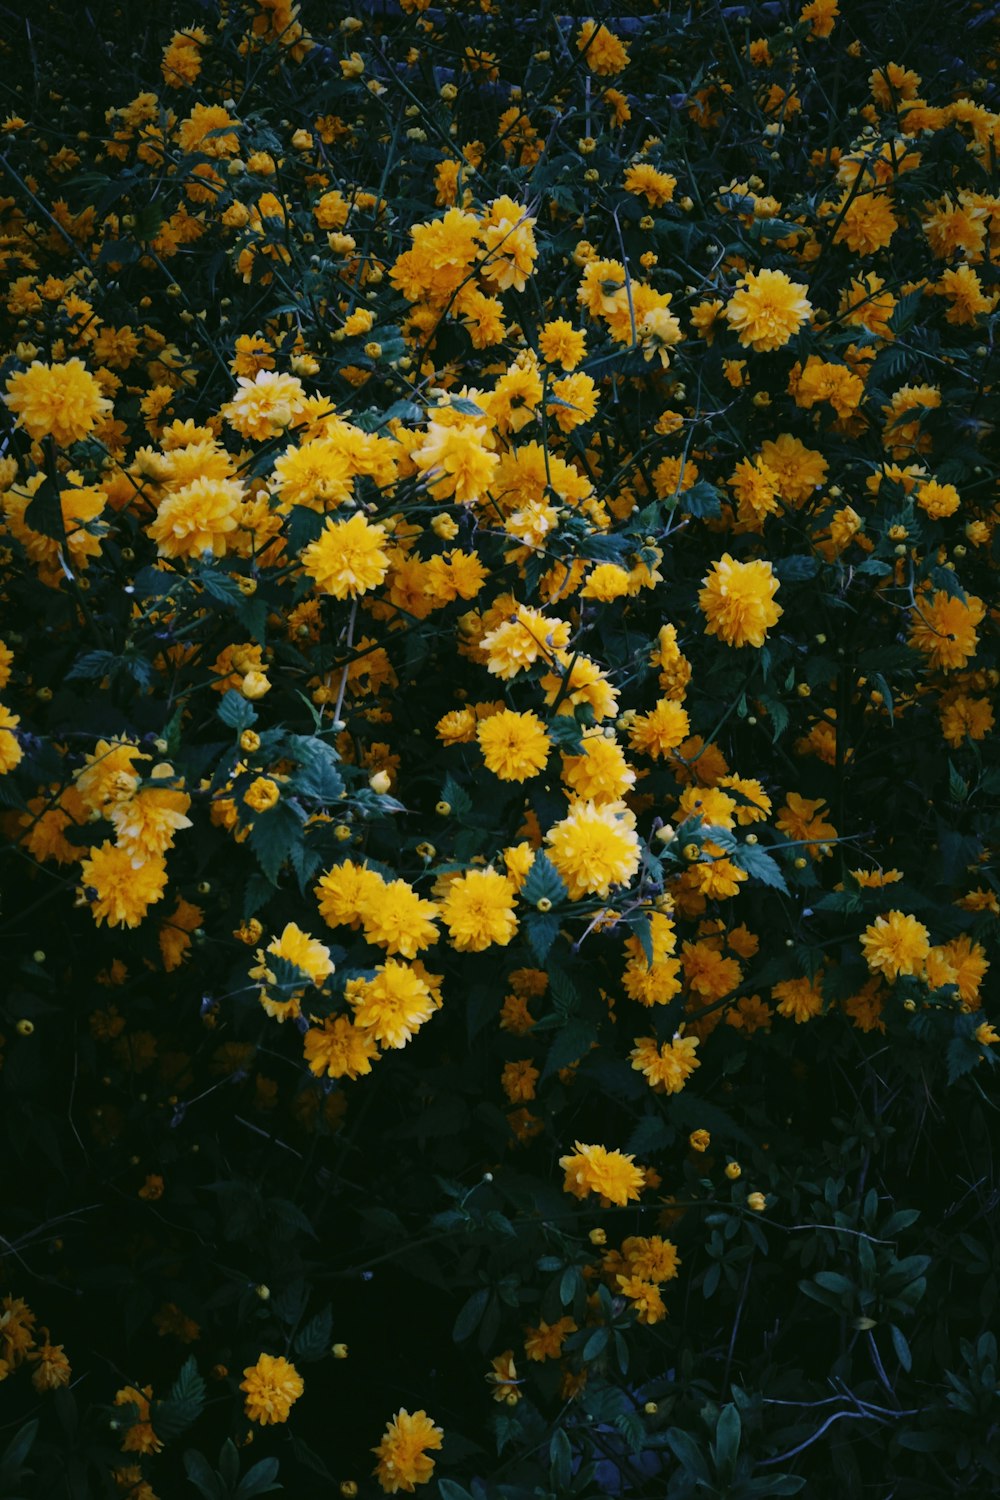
x,y
546,1341
402,1454
197,518
503,1379
738,601
594,1169
139,1437
344,893
895,944
605,53
347,559
394,1005
661,730
594,848
699,1140
272,1387
656,187
261,794
11,753
600,773
964,716
397,919
515,746
456,462
174,935
943,627
799,999
517,644
119,892
145,822
52,1368
478,910
767,309
867,222
802,819
61,401
265,406
665,1068
562,344
338,1049
509,249
308,955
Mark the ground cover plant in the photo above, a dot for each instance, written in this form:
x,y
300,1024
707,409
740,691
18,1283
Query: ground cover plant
x,y
498,779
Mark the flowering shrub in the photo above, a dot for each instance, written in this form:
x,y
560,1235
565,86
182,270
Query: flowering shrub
x,y
497,754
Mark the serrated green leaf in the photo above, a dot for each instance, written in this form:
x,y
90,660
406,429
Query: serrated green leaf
x,y
543,882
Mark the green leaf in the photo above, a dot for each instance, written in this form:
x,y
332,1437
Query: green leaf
x,y
560,1460
449,1490
470,1315
963,1055
309,1457
702,499
313,1341
236,711
543,883
260,1480
542,929
272,836
777,714
203,1476
684,1448
571,1043
457,799
318,776
728,1431
901,1347
797,568
596,1343
651,1134
758,863
566,732
43,513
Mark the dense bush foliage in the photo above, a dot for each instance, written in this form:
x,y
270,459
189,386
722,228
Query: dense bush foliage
x,y
499,651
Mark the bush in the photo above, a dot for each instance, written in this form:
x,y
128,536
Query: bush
x,y
498,760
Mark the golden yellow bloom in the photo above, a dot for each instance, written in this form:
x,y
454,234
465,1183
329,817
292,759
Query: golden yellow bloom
x,y
738,601
338,1049
11,753
119,893
605,53
666,1068
394,1005
478,910
646,181
767,309
139,1436
594,848
562,344
515,746
402,1454
272,1387
611,1174
261,794
895,944
799,999
61,401
197,518
546,1341
52,1368
347,559
943,627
